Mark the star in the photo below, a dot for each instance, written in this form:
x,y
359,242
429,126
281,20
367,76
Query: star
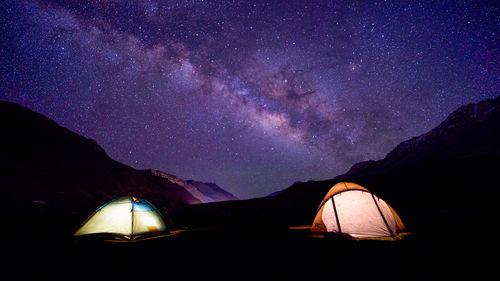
x,y
251,96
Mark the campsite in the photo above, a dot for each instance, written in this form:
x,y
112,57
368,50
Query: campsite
x,y
446,247
433,226
265,140
425,211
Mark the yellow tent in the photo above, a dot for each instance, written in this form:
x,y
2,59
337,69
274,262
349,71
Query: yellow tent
x,y
351,209
127,217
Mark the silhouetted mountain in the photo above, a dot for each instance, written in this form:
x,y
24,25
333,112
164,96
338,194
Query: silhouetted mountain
x,y
205,192
48,167
470,131
273,193
212,191
452,167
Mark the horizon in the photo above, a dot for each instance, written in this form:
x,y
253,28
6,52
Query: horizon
x,y
251,97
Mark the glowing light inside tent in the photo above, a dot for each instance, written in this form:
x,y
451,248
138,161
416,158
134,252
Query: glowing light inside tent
x,y
145,222
126,216
351,209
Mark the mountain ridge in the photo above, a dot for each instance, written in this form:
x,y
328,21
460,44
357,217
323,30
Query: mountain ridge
x,y
212,190
457,130
206,192
452,167
438,166
47,167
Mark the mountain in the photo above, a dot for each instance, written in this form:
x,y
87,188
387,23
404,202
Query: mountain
x,y
46,167
205,192
452,168
454,165
212,191
470,131
273,193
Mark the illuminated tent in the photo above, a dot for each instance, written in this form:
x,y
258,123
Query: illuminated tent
x,y
353,210
127,217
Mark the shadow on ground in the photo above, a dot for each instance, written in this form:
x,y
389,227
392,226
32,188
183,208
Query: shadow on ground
x,y
443,244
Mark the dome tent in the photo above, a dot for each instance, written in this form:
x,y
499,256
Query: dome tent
x,y
125,217
353,210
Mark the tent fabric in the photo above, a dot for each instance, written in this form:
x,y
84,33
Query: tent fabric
x,y
341,187
126,216
399,223
353,210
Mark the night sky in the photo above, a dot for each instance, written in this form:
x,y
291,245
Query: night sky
x,y
250,96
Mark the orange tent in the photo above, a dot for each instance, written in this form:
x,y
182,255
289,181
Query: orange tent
x,y
351,209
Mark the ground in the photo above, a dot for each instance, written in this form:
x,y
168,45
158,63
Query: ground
x,y
451,245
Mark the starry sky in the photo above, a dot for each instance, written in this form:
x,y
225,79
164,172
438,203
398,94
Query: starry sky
x,y
251,95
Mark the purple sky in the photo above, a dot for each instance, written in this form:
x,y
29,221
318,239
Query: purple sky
x,y
251,97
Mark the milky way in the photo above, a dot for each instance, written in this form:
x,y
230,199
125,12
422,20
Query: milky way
x,y
250,96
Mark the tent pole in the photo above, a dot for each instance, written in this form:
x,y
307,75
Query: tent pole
x,y
132,218
347,188
382,215
336,215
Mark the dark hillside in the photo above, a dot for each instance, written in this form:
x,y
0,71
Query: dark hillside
x,y
453,167
46,167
